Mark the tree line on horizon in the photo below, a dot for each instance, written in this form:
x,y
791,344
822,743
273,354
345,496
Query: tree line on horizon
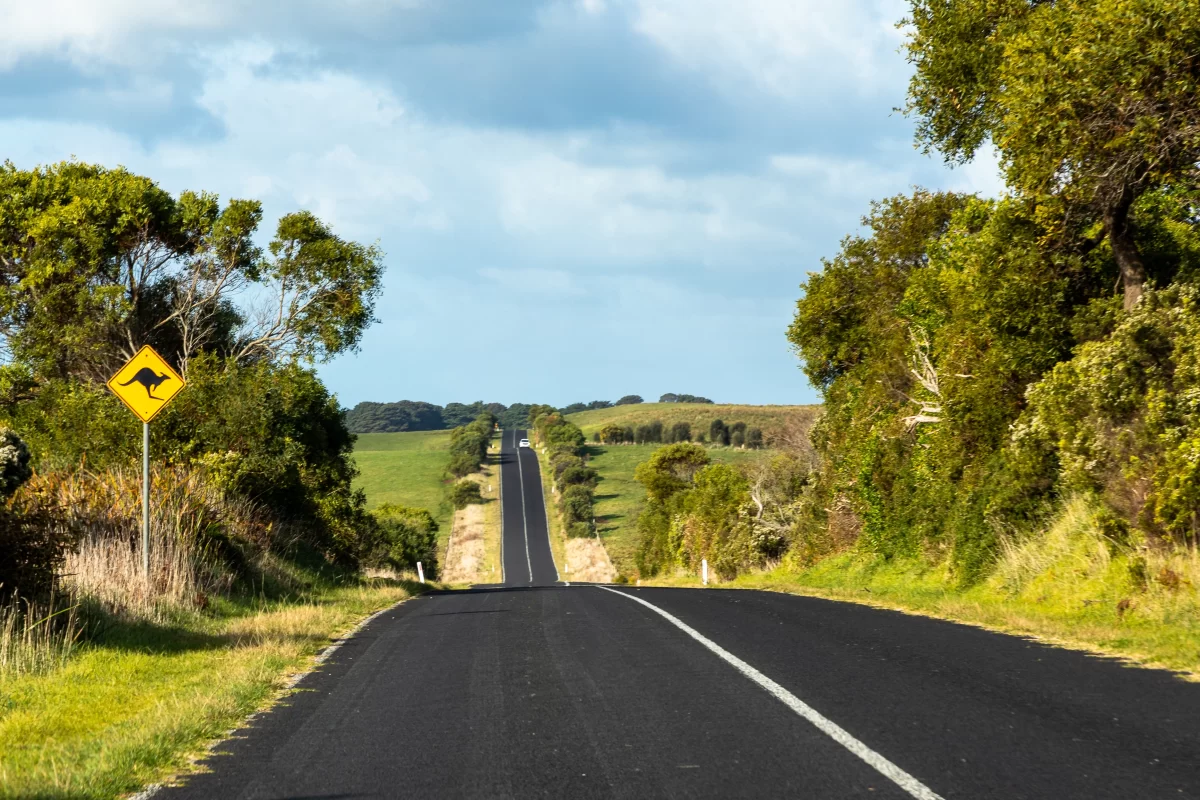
x,y
415,415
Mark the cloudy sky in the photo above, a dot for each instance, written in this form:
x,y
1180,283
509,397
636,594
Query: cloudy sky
x,y
578,199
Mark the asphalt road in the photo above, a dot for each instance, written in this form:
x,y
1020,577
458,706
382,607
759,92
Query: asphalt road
x,y
583,691
526,550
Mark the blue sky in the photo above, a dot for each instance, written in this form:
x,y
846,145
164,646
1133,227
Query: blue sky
x,y
579,199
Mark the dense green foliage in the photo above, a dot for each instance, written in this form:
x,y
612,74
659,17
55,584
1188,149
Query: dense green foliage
x,y
469,445
630,400
976,363
464,493
405,415
670,397
655,432
409,415
1091,104
407,536
573,481
94,263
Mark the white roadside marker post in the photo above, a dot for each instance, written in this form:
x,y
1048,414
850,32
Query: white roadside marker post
x,y
704,571
420,572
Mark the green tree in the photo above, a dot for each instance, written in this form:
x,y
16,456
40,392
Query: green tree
x,y
95,263
1091,103
670,469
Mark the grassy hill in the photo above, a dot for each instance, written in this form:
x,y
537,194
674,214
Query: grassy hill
x,y
619,498
405,468
698,415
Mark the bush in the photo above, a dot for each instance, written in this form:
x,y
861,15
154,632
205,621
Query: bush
x,y
578,476
680,432
462,465
576,504
579,530
629,400
465,493
408,535
718,433
754,438
34,541
14,463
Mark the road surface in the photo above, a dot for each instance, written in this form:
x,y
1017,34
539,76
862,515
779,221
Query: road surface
x,y
526,550
585,691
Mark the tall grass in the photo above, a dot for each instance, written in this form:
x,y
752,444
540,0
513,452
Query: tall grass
x,y
198,538
35,638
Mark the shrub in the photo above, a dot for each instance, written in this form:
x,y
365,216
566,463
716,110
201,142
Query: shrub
x,y
409,535
578,476
630,399
680,432
579,530
34,541
718,433
465,493
754,438
576,504
611,434
462,465
14,463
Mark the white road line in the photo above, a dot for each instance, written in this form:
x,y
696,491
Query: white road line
x,y
500,480
827,726
521,473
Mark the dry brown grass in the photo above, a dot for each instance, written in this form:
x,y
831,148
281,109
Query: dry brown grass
x,y
465,555
104,509
587,560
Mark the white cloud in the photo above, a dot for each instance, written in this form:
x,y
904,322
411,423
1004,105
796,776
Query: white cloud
x,y
87,31
790,48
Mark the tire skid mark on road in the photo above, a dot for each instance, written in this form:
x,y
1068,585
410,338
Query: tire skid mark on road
x,y
827,726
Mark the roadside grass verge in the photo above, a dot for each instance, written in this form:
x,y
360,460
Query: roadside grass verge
x,y
473,550
1068,585
554,523
133,705
582,559
620,498
770,419
406,469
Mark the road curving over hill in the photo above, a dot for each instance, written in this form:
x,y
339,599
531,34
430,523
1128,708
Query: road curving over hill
x,y
525,539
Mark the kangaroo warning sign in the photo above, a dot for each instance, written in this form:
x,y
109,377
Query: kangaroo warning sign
x,y
146,383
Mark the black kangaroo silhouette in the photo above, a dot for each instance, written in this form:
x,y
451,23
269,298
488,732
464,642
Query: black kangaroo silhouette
x,y
147,377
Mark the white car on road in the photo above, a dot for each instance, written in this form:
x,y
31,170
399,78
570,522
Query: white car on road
x,y
523,443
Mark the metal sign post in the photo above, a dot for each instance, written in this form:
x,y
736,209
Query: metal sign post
x,y
146,498
146,384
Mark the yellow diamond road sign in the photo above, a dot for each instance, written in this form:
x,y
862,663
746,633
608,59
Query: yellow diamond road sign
x,y
146,383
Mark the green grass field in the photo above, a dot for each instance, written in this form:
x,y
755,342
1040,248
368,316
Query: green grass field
x,y
407,469
619,498
698,415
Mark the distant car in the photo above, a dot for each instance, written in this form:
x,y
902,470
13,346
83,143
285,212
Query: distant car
x,y
523,443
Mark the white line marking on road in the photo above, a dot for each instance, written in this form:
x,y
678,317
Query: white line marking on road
x,y
827,726
500,478
521,473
